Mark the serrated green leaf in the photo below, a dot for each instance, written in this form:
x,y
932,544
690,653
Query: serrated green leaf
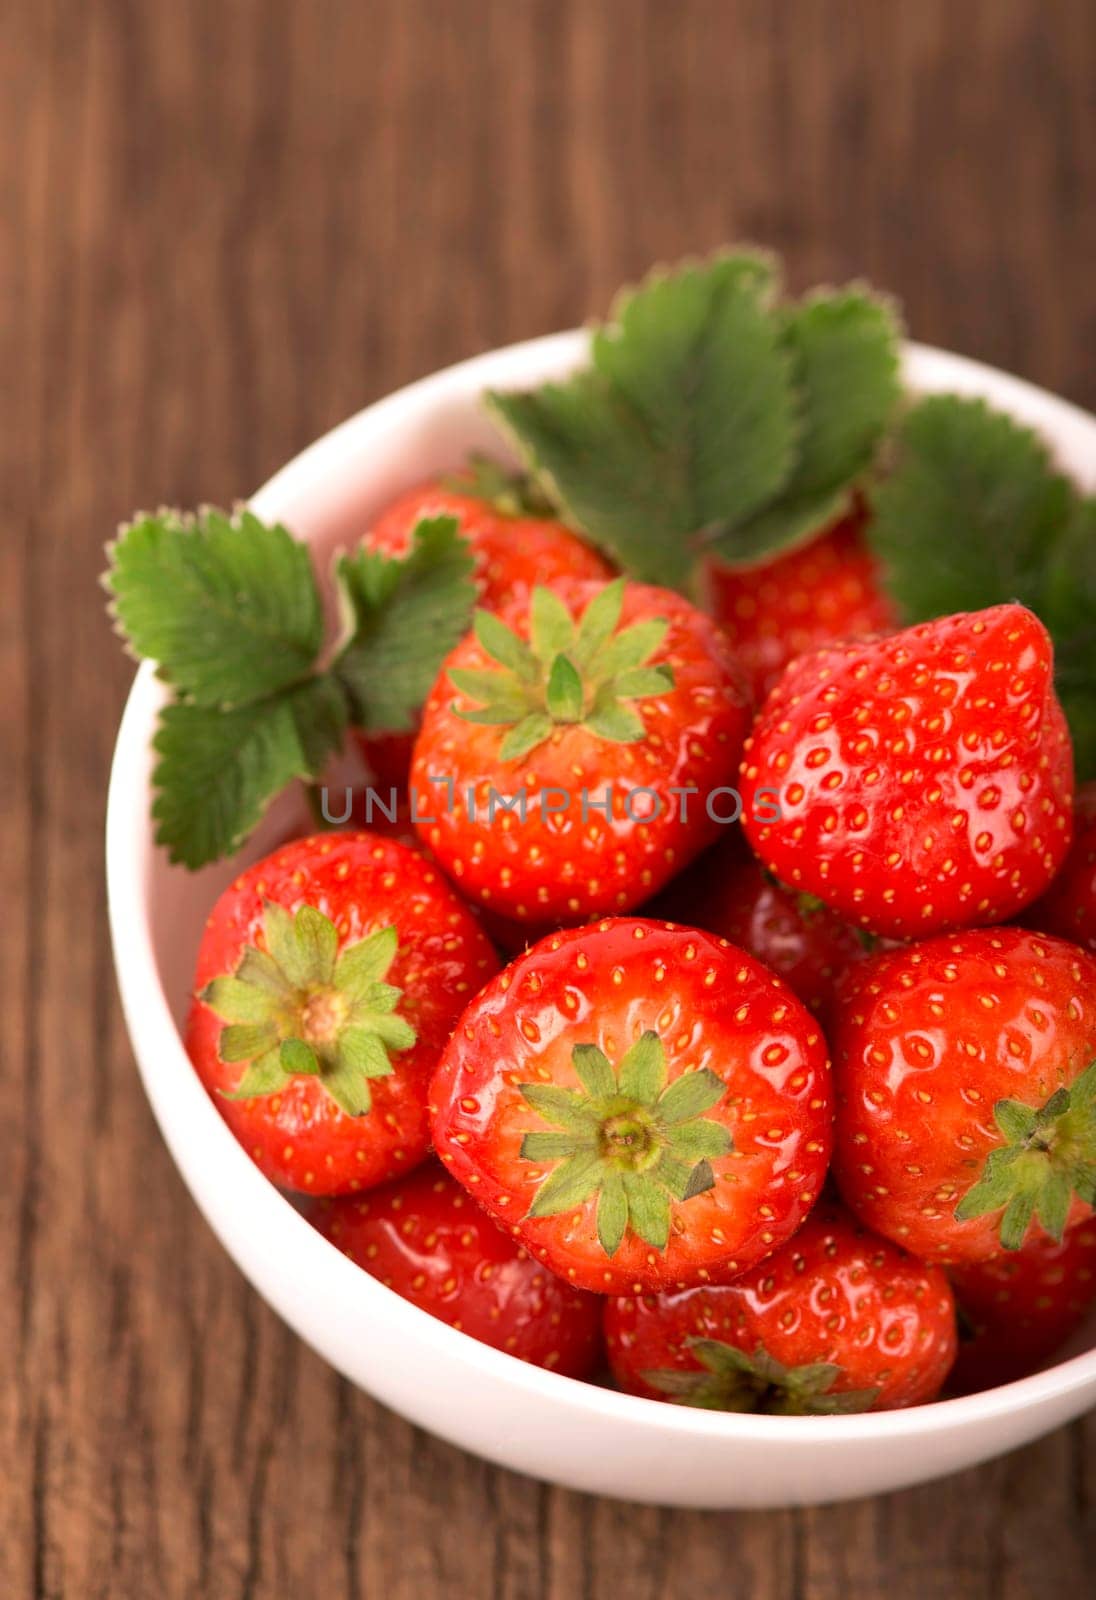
x,y
684,422
217,771
970,513
227,607
844,347
403,615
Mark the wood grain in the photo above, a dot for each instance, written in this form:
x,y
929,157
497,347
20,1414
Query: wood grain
x,y
225,227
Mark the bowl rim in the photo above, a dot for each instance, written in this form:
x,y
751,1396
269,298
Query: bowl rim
x,y
190,1123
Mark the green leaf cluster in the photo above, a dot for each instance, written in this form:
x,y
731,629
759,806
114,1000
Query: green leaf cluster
x,y
713,417
229,609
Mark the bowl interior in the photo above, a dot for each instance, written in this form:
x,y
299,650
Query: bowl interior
x,y
327,496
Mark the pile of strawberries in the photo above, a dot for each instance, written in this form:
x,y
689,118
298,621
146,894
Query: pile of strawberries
x,y
793,1046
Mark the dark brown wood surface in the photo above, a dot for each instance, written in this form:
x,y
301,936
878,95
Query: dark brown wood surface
x,y
226,225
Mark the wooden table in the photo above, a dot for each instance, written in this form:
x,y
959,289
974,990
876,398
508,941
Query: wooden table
x,y
227,225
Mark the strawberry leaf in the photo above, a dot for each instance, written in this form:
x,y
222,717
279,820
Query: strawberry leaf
x,y
227,606
404,617
684,423
217,770
975,515
844,347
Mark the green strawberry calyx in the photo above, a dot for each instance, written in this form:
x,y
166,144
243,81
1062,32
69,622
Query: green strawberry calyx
x,y
728,1379
1048,1158
566,674
626,1136
303,1007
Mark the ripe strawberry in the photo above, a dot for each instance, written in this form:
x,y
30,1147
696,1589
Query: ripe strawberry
x,y
1068,908
966,1074
1016,1311
589,698
825,590
339,964
728,892
838,1320
512,551
423,1237
925,779
642,1105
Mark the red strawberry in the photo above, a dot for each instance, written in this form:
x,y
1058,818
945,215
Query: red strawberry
x,y
590,697
966,1073
329,977
925,779
423,1237
1016,1311
512,552
642,1105
838,1320
728,892
819,592
1068,908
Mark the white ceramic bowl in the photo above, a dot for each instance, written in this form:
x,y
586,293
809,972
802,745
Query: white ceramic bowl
x,y
534,1421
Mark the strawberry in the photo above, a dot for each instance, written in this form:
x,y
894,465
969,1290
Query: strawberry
x,y
925,779
1068,908
642,1104
423,1237
728,892
1016,1311
966,1074
587,699
838,1320
328,979
816,593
